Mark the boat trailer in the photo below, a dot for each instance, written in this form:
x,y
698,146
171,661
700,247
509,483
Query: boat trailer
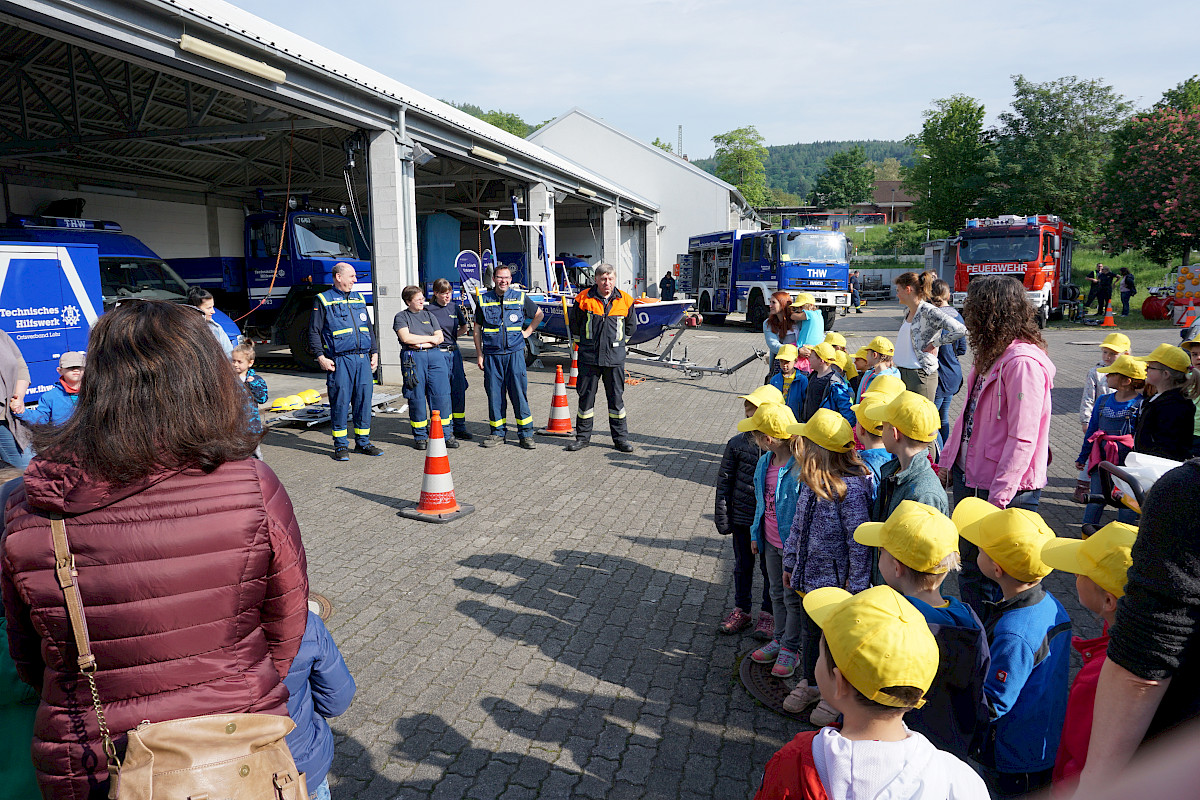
x,y
685,366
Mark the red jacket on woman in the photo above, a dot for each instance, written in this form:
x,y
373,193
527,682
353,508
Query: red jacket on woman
x,y
195,589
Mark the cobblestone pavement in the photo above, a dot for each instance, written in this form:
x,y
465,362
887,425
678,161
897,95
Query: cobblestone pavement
x,y
561,641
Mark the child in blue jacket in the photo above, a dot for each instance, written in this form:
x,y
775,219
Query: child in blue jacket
x,y
58,402
242,359
827,386
791,382
319,686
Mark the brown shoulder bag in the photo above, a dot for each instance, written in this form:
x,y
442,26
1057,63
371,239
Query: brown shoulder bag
x,y
225,756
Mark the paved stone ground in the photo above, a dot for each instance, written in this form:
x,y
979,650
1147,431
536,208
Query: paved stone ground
x,y
561,641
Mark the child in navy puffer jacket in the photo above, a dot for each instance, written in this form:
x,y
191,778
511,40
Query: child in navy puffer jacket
x,y
320,686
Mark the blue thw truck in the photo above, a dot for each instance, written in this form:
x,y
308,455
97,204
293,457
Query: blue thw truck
x,y
738,271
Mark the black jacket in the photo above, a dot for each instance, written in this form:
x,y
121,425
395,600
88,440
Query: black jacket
x,y
602,327
1164,426
735,484
1157,630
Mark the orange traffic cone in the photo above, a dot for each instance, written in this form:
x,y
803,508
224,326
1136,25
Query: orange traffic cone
x,y
437,503
1109,322
574,368
560,412
1189,316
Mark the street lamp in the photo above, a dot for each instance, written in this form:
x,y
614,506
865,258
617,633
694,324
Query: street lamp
x,y
928,196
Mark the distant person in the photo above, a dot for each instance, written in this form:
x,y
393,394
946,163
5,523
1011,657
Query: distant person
x,y
425,368
666,287
1104,288
57,403
950,377
15,447
1127,287
1093,280
203,300
925,329
855,296
452,317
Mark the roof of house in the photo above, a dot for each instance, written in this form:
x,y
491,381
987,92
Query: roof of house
x,y
882,194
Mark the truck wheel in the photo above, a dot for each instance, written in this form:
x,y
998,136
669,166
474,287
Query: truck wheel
x,y
830,317
756,310
710,318
1042,317
297,339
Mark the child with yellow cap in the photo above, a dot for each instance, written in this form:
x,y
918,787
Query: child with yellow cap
x,y
775,491
834,497
1028,634
827,387
918,548
791,382
845,360
1109,434
909,424
869,434
733,514
1114,344
879,353
1100,564
877,659
1165,425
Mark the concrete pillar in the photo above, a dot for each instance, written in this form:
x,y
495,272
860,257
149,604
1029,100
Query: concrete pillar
x,y
610,237
541,209
393,232
653,269
214,225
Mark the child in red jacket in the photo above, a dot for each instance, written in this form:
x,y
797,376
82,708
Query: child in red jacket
x,y
1099,563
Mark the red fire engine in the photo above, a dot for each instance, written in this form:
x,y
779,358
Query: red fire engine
x,y
1036,250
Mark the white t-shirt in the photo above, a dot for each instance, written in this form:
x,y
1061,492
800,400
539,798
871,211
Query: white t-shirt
x,y
911,769
905,355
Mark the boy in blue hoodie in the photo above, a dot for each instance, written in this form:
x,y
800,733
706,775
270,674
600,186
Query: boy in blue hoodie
x,y
319,686
791,382
918,548
58,402
1029,634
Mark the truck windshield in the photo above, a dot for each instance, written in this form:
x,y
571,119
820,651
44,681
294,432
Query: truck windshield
x,y
996,249
144,278
812,247
324,237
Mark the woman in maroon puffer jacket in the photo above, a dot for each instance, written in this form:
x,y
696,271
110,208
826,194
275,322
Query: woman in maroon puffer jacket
x,y
189,556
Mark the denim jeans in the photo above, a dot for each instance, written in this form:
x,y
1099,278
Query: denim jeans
x,y
1093,512
321,792
973,588
942,400
743,571
11,452
786,603
1125,303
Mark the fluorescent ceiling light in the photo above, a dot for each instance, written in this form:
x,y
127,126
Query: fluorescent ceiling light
x,y
190,44
199,140
490,155
586,192
446,185
637,210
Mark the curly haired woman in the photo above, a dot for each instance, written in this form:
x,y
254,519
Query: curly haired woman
x,y
999,447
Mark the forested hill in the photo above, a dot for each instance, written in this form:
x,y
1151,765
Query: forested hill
x,y
793,168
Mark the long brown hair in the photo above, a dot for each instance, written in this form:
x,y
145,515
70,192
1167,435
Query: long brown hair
x,y
781,323
158,392
823,470
921,284
998,313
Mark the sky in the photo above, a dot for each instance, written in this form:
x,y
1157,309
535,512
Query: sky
x,y
798,71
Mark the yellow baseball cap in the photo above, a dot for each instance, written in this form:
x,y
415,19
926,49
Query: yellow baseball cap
x,y
1170,356
911,414
1188,344
826,428
1117,342
844,361
869,400
836,339
918,536
887,385
773,419
1012,537
1128,366
862,353
804,298
1104,556
787,352
763,394
825,352
877,639
882,345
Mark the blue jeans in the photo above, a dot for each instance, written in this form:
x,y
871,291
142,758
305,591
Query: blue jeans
x,y
1093,512
321,792
973,588
942,401
11,452
1125,303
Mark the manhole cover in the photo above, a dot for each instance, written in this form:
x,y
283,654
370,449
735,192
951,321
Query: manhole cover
x,y
766,688
319,604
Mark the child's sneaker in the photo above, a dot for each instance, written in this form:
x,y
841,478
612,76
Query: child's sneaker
x,y
801,698
785,663
823,715
765,629
736,622
765,654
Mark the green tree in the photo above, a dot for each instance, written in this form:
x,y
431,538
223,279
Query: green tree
x,y
508,121
1184,97
904,238
739,160
948,175
1150,198
1052,146
661,145
889,170
847,179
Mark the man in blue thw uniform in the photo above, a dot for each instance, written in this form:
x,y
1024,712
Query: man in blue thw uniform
x,y
500,335
342,338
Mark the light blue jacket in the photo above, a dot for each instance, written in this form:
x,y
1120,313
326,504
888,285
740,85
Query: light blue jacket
x,y
786,491
53,408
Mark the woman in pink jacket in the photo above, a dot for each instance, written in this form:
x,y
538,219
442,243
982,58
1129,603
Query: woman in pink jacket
x,y
1000,446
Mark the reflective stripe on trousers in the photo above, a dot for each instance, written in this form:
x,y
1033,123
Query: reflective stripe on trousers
x,y
431,392
588,383
504,378
350,387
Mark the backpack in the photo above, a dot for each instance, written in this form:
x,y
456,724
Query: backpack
x,y
1130,285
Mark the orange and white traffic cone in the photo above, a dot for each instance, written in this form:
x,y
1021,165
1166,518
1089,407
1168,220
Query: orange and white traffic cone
x,y
1108,322
437,503
574,379
560,411
1189,316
